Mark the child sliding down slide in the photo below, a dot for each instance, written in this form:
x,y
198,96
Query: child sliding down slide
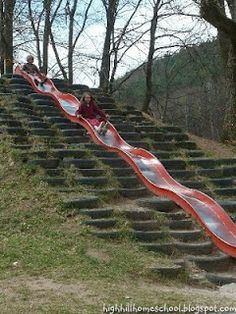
x,y
90,111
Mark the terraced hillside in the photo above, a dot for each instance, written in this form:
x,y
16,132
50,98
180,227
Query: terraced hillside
x,y
102,187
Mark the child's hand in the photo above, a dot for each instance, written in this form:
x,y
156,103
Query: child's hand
x,y
79,116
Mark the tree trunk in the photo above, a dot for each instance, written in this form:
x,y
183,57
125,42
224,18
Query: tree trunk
x,y
105,65
8,35
113,72
224,44
223,39
149,66
149,84
46,34
104,74
70,41
229,132
61,67
214,13
70,51
1,38
36,33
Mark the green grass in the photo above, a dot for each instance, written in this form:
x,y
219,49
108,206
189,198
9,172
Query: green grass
x,y
38,240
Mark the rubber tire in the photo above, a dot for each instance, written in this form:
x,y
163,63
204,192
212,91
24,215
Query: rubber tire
x,y
19,80
36,96
21,86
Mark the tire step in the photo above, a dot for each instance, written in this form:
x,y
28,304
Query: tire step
x,y
167,146
195,248
170,272
176,164
157,204
42,132
73,132
14,130
83,202
149,236
92,172
182,174
229,171
10,122
101,223
166,248
229,206
222,182
138,214
113,162
205,163
128,182
92,181
221,279
79,163
176,137
180,224
211,173
45,163
231,192
67,152
217,262
109,234
133,193
145,225
186,235
97,213
55,181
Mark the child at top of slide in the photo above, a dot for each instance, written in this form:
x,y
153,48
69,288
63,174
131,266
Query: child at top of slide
x,y
32,69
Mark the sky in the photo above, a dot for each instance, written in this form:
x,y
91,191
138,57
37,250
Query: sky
x,y
89,48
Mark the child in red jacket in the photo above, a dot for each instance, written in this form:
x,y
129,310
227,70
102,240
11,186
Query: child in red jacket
x,y
89,110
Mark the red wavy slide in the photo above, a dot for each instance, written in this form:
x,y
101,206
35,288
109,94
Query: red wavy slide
x,y
208,213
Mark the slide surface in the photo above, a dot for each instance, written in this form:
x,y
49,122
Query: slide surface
x,y
208,213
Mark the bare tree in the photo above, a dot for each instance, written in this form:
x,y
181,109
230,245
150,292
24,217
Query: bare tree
x,y
122,42
35,24
215,12
46,33
75,30
56,25
6,33
124,30
149,65
174,37
2,36
111,7
42,33
71,12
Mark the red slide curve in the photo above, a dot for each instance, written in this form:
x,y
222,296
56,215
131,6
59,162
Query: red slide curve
x,y
208,213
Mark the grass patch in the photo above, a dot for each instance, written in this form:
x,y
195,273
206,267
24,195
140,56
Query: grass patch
x,y
36,238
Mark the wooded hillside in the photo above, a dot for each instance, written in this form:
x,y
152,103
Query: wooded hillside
x,y
189,90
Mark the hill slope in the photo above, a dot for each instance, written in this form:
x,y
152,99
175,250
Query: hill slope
x,y
189,90
56,197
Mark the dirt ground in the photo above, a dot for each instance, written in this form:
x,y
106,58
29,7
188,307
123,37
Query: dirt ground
x,y
216,149
25,294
